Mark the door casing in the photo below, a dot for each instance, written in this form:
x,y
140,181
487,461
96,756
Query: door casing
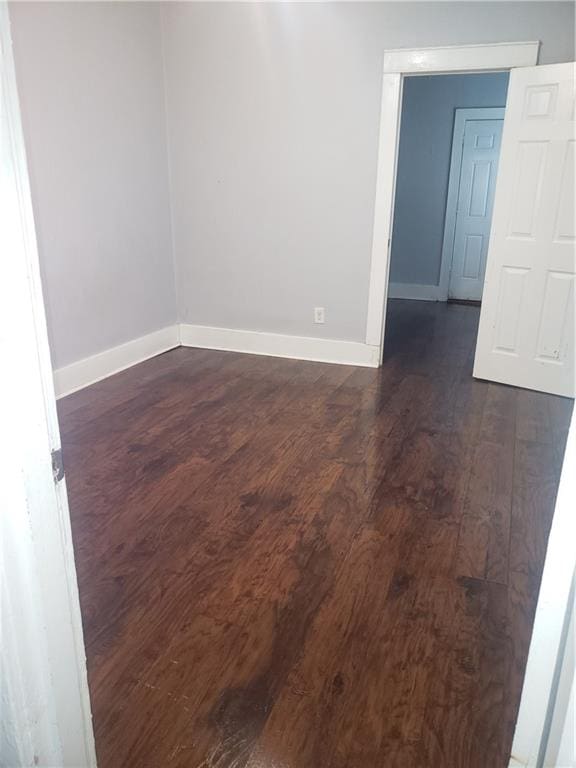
x,y
496,57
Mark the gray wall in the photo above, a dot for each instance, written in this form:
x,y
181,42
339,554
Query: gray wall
x,y
428,106
273,114
90,79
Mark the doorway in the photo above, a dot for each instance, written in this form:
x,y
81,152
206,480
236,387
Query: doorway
x,y
450,137
526,328
398,65
449,143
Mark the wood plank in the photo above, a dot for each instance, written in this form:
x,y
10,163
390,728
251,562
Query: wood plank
x,y
484,542
535,486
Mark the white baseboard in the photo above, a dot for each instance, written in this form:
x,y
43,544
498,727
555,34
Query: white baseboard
x,y
279,345
415,291
78,375
88,371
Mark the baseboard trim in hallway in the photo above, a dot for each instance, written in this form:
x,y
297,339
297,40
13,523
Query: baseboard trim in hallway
x,y
416,292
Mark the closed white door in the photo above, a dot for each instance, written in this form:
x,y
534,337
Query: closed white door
x,y
526,335
479,165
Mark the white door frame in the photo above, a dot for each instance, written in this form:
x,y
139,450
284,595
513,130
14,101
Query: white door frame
x,y
462,116
46,718
397,64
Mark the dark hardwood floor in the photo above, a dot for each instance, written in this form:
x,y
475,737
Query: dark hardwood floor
x,y
297,565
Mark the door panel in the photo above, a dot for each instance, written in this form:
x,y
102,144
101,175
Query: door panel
x,y
526,335
480,152
565,222
527,188
557,316
473,256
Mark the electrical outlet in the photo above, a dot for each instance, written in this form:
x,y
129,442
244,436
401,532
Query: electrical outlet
x,y
318,314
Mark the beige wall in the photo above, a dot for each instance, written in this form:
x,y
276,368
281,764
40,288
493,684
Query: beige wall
x,y
273,116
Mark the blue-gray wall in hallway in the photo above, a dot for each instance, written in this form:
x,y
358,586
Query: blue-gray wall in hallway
x,y
428,107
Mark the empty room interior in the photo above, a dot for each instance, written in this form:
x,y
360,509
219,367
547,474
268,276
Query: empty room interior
x,y
289,328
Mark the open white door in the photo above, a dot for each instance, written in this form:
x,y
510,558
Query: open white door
x,y
44,703
526,336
